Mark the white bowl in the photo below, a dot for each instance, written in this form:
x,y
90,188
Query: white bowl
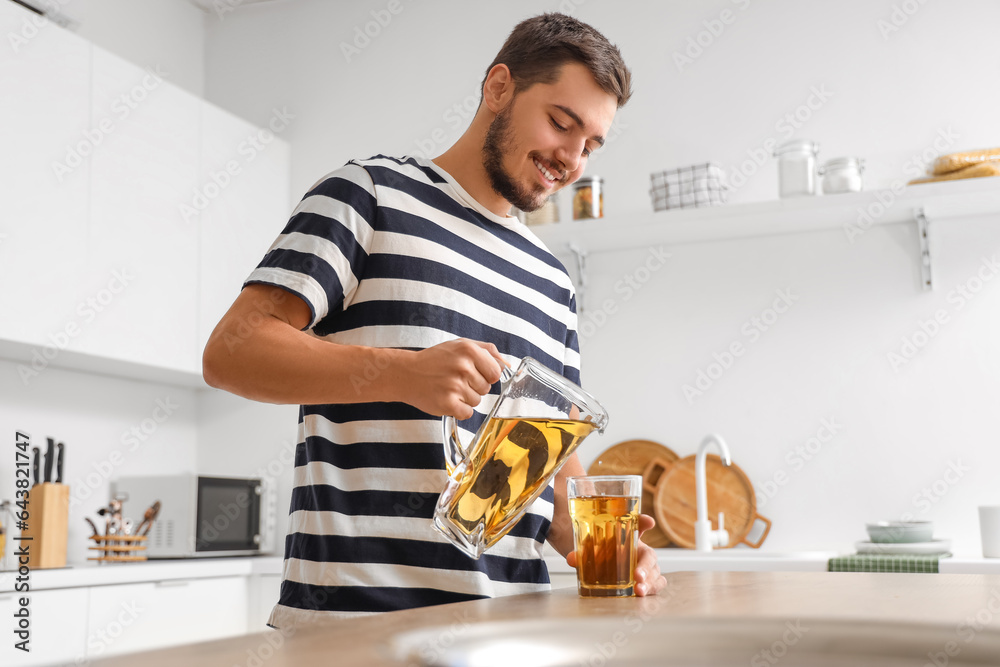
x,y
897,532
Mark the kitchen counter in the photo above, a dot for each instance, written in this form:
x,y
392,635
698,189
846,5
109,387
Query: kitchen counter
x,y
103,574
738,560
699,613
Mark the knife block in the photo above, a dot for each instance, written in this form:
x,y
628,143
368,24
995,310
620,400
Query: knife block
x,y
48,525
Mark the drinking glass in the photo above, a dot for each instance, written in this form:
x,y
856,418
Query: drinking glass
x,y
605,514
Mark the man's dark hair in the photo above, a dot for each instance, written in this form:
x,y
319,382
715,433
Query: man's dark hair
x,y
538,47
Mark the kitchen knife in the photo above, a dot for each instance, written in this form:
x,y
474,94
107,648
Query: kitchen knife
x,y
59,463
49,459
34,466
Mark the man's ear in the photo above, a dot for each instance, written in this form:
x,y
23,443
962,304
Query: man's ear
x,y
498,90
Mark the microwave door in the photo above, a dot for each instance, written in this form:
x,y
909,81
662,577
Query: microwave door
x,y
228,515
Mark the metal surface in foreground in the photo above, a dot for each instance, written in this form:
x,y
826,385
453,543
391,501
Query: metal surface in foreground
x,y
698,641
769,619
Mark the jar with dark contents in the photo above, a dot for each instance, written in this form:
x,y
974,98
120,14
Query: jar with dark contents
x,y
588,198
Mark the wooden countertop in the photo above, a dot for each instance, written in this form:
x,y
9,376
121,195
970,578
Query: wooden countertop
x,y
949,602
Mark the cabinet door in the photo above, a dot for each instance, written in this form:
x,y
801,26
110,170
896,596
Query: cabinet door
x,y
45,171
138,617
142,272
58,627
263,591
244,207
563,579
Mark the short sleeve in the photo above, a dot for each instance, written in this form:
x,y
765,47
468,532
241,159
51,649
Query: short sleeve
x,y
321,253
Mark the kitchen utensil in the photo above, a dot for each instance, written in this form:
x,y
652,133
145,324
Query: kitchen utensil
x,y
539,419
915,548
900,531
59,463
631,457
35,462
93,526
729,491
148,518
49,459
48,527
955,161
980,170
796,168
989,528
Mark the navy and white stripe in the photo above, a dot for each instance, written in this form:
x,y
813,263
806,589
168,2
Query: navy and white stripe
x,y
394,253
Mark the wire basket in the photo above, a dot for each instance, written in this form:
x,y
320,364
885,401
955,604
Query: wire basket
x,y
689,187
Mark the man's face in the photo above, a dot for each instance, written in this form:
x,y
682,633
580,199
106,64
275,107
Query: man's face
x,y
540,141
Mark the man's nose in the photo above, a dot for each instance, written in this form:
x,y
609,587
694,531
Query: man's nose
x,y
570,155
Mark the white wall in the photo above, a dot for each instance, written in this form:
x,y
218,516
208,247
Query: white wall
x,y
891,94
169,34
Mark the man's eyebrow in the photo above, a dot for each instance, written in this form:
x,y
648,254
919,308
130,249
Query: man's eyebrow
x,y
579,121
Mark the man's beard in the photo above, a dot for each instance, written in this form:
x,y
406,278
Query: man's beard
x,y
498,137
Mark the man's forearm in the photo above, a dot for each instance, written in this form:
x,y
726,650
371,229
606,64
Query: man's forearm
x,y
561,530
279,364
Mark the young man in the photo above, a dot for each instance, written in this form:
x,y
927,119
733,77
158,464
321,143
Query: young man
x,y
395,293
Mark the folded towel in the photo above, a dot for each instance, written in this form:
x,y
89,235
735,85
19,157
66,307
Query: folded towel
x,y
886,563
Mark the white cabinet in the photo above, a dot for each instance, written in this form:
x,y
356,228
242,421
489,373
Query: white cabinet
x,y
263,590
45,173
57,625
132,210
243,206
142,254
563,579
138,617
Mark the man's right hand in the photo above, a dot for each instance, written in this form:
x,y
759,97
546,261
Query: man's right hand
x,y
452,378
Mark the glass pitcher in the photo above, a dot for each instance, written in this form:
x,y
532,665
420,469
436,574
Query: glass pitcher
x,y
539,419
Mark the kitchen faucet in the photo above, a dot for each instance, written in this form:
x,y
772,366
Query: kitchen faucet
x,y
705,539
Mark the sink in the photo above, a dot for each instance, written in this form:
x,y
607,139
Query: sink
x,y
667,641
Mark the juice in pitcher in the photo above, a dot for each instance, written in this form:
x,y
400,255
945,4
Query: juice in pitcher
x,y
515,458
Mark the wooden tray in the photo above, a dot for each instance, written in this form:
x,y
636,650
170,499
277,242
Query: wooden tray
x,y
119,548
728,491
631,457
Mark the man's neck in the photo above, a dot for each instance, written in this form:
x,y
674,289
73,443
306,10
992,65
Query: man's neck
x,y
464,161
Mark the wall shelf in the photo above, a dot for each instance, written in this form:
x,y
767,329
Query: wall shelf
x,y
39,358
939,201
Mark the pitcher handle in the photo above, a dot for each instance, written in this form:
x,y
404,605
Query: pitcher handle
x,y
454,451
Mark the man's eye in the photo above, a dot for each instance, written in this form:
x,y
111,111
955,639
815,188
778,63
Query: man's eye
x,y
557,125
586,152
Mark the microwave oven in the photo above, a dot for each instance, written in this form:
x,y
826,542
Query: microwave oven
x,y
200,515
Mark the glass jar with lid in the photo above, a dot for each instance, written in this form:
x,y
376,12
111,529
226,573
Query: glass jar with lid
x,y
588,198
842,174
797,168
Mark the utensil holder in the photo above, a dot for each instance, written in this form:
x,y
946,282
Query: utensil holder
x,y
48,517
119,548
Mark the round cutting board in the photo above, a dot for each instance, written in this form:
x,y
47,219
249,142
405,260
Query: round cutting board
x,y
631,458
728,491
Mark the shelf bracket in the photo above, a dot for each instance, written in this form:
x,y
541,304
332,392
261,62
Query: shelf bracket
x,y
923,224
580,255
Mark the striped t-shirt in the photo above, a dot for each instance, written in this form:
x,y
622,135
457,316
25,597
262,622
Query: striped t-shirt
x,y
395,253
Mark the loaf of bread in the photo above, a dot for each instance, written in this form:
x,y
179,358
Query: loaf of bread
x,y
955,161
991,168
